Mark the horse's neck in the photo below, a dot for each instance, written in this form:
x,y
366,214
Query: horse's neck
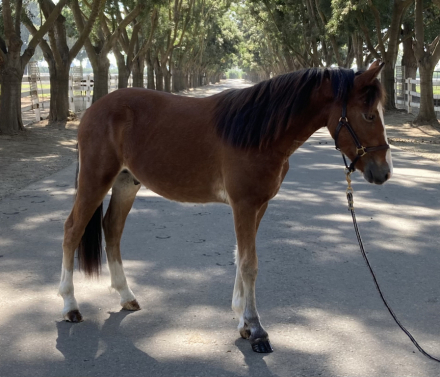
x,y
299,131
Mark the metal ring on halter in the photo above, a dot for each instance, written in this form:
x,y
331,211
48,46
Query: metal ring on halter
x,y
361,151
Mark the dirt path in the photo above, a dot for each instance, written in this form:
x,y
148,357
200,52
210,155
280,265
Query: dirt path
x,y
44,150
422,141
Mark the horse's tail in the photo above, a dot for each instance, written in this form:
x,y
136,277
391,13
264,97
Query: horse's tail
x,y
89,251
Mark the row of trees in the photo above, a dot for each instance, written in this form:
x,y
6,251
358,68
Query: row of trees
x,y
191,39
286,35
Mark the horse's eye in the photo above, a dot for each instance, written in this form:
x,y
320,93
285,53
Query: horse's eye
x,y
369,117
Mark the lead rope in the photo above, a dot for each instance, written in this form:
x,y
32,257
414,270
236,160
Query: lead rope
x,y
349,194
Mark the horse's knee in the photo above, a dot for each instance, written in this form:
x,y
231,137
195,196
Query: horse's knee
x,y
248,269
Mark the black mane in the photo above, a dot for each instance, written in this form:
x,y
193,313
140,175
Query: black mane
x,y
255,116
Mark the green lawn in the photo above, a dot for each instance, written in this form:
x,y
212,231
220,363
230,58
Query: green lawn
x,y
436,89
25,87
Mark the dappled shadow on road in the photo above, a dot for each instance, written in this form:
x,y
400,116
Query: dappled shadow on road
x,y
315,296
40,151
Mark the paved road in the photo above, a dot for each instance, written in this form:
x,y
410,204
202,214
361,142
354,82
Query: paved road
x,y
314,292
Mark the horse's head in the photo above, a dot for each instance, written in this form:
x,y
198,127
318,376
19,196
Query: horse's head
x,y
359,131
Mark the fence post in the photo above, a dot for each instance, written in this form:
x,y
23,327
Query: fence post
x,y
71,96
33,77
409,95
88,92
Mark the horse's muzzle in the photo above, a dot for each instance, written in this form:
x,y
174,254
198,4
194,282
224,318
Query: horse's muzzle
x,y
377,173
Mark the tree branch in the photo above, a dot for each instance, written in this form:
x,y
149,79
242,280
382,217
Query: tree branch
x,y
367,38
436,50
185,25
378,28
18,9
42,31
134,37
147,43
98,6
7,21
123,39
77,14
33,30
103,22
114,37
47,7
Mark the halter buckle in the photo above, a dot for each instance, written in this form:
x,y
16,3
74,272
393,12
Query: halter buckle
x,y
343,119
361,151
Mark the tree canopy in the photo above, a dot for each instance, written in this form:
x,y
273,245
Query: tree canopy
x,y
187,43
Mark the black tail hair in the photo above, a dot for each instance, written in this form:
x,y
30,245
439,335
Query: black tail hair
x,y
89,251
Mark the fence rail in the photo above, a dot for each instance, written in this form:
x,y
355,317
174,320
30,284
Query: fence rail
x,y
80,91
406,92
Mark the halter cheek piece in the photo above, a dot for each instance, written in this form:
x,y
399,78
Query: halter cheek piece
x,y
360,150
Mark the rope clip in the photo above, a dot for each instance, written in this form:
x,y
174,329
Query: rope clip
x,y
349,191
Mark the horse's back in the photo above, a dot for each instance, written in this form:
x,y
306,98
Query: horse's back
x,y
168,142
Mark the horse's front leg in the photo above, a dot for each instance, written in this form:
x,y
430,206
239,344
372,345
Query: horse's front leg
x,y
247,219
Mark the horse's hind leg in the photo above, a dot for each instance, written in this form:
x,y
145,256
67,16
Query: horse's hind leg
x,y
247,220
123,194
86,211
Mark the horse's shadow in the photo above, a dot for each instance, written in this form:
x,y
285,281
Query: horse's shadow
x,y
88,347
255,361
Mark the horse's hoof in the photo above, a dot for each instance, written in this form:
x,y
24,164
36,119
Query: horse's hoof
x,y
131,305
74,316
245,333
261,346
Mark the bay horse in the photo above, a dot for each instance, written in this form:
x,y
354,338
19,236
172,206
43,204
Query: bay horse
x,y
232,148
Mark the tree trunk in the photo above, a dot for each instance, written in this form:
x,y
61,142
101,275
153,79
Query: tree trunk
x,y
358,47
11,122
123,76
426,113
387,79
409,60
100,78
159,75
138,72
123,68
167,80
59,92
177,80
166,75
150,70
150,77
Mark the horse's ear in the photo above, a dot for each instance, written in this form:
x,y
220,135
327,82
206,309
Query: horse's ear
x,y
367,77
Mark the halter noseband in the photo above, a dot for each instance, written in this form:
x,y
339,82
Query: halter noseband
x,y
360,150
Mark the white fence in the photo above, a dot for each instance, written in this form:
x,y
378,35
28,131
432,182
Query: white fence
x,y
410,99
80,92
406,91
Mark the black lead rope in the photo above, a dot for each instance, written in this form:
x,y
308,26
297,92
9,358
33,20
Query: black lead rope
x,y
361,246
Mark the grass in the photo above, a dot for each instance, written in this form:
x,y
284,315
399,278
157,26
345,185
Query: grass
x,y
436,89
25,87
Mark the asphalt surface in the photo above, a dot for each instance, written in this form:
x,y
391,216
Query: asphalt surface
x,y
314,293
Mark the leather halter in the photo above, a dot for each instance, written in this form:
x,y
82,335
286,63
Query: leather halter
x,y
360,150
